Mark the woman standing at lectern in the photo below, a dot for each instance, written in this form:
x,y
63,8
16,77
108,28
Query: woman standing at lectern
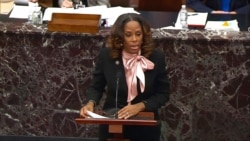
x,y
141,70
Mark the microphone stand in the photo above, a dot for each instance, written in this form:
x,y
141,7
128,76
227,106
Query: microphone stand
x,y
116,93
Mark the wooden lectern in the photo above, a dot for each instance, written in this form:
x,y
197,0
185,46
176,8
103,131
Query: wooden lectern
x,y
116,125
72,22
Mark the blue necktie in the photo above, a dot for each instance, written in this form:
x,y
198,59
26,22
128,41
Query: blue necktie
x,y
225,5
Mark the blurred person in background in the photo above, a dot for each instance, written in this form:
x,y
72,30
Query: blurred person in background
x,y
43,3
220,6
87,3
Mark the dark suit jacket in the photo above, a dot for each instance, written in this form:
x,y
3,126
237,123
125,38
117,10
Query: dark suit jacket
x,y
240,6
105,78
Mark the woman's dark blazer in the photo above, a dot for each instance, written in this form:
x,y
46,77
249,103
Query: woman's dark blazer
x,y
108,71
240,6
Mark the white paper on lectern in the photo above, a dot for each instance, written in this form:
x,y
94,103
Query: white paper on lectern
x,y
94,115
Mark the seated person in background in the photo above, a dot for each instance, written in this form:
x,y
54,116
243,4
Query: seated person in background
x,y
45,3
87,3
220,6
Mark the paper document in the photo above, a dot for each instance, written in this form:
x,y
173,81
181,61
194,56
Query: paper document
x,y
87,10
94,115
48,12
20,11
193,19
110,14
197,19
223,25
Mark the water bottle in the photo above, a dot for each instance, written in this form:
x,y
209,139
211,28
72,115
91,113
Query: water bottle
x,y
30,14
37,17
183,17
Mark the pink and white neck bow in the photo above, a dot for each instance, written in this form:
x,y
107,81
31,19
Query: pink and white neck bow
x,y
135,65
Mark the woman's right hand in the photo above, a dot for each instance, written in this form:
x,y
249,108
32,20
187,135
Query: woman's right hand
x,y
88,107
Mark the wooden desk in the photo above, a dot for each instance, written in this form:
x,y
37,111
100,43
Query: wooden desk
x,y
158,19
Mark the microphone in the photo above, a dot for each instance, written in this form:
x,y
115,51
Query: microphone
x,y
117,63
118,75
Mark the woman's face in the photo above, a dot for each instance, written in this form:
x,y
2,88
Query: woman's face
x,y
133,36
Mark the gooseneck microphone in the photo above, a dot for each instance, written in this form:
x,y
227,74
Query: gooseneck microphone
x,y
118,75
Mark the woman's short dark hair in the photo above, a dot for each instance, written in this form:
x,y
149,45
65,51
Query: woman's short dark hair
x,y
116,37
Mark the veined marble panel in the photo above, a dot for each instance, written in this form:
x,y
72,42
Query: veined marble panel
x,y
44,76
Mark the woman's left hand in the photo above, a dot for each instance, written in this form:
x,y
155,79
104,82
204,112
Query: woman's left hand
x,y
130,110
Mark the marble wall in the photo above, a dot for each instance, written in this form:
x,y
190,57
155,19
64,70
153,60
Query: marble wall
x,y
210,86
44,75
